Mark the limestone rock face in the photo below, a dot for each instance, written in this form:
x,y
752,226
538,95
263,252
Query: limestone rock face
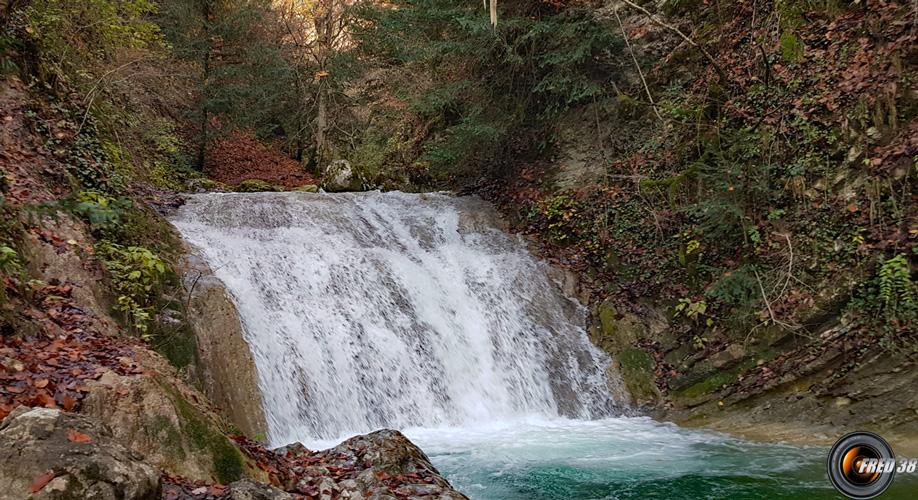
x,y
171,424
226,370
49,454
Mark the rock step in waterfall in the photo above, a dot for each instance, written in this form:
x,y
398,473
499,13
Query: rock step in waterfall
x,y
370,310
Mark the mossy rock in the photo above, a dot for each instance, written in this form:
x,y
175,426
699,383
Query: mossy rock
x,y
202,434
681,357
169,425
702,391
617,332
308,188
637,369
255,186
203,184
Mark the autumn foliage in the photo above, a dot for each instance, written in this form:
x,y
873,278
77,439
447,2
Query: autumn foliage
x,y
50,368
238,157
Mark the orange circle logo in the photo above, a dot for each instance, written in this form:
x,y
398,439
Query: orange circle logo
x,y
861,465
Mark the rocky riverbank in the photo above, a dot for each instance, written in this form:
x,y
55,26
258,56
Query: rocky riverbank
x,y
52,454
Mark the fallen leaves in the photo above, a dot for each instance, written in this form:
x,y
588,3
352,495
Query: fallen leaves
x,y
179,488
239,157
50,370
75,436
39,482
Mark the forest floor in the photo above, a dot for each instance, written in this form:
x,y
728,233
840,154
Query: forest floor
x,y
239,157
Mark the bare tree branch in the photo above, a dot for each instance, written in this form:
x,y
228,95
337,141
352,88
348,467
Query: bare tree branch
x,y
693,43
636,64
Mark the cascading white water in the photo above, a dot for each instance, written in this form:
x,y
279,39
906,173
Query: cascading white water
x,y
369,310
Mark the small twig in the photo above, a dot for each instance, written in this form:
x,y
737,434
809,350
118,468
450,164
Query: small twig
x,y
191,291
92,92
767,64
790,263
771,313
653,19
636,64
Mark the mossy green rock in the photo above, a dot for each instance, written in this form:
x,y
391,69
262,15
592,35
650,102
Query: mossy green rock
x,y
205,437
308,188
202,184
703,390
616,334
256,185
158,416
637,369
617,331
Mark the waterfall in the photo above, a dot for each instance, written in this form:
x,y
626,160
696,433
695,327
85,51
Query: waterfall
x,y
369,310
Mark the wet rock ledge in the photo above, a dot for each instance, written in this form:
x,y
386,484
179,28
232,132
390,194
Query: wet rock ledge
x,y
50,454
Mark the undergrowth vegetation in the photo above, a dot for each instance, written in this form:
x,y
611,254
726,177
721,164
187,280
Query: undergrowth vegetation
x,y
745,167
106,143
782,196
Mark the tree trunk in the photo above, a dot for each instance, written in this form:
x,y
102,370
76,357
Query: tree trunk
x,y
205,76
324,29
321,122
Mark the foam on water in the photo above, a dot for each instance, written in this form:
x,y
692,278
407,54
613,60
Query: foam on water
x,y
370,310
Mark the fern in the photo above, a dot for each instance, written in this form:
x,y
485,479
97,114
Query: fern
x,y
897,290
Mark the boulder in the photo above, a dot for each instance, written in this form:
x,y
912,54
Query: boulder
x,y
49,454
393,465
340,176
381,465
386,450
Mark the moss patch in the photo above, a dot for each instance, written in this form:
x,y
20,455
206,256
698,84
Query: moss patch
x,y
178,346
255,185
607,319
618,332
203,435
637,372
164,430
714,382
